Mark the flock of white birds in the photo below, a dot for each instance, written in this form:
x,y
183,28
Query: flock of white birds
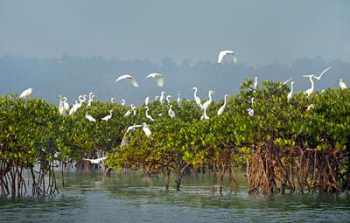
x,y
66,109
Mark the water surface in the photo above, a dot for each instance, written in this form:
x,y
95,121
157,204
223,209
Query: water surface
x,y
93,198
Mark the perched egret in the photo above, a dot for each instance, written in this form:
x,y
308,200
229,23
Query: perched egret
x,y
309,91
168,99
148,116
96,161
128,77
146,101
61,110
204,115
342,84
107,117
132,128
196,98
250,112
171,112
90,118
209,101
65,104
223,53
162,96
222,108
312,106
26,93
286,82
178,100
146,129
290,94
122,101
91,98
133,109
255,84
321,74
158,77
112,100
74,107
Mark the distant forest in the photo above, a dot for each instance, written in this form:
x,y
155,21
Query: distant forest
x,y
72,76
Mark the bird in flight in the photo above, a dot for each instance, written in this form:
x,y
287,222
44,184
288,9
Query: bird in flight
x,y
223,53
128,77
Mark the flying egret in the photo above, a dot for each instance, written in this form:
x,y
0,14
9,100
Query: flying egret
x,y
26,93
96,161
90,118
107,117
128,77
222,108
146,129
148,116
290,94
209,101
322,73
223,53
342,84
171,112
250,112
196,98
158,77
146,101
309,91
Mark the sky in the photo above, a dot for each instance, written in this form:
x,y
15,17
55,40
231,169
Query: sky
x,y
261,32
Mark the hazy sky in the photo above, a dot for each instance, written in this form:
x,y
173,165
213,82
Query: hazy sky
x,y
261,31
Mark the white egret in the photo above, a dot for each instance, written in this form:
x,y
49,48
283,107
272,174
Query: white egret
x,y
128,77
132,128
178,100
223,53
309,91
162,96
255,84
91,98
148,116
122,101
107,117
250,112
61,109
90,118
96,161
133,109
26,93
74,107
65,104
158,77
146,129
290,94
146,101
286,82
209,101
168,99
342,84
222,108
171,112
204,115
321,74
312,106
252,101
112,100
196,98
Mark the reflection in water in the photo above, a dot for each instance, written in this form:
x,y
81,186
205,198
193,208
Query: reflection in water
x,y
93,198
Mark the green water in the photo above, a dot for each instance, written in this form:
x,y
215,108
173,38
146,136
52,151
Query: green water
x,y
93,198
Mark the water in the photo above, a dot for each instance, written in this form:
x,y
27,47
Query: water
x,y
93,198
